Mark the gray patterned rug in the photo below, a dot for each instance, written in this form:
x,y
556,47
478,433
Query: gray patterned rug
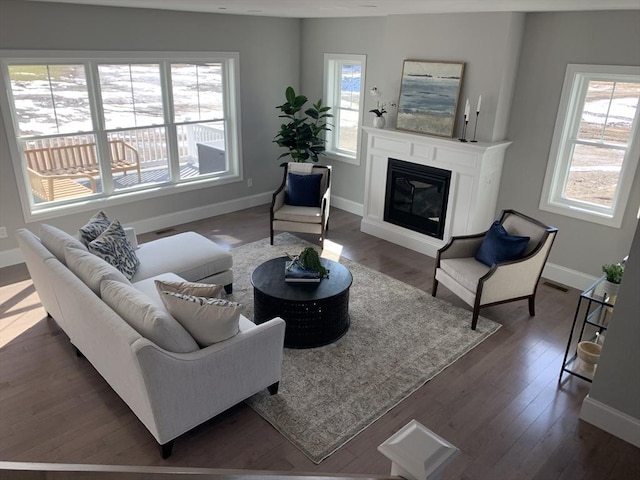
x,y
400,337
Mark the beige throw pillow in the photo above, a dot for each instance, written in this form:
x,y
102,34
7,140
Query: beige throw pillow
x,y
196,289
208,320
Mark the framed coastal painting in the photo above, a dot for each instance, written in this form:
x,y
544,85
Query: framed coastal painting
x,y
429,94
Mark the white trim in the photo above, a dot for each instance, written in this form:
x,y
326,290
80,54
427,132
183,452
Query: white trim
x,y
330,80
347,205
610,420
14,256
233,121
567,276
576,82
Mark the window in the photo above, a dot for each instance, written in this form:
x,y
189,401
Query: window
x,y
595,148
89,127
344,86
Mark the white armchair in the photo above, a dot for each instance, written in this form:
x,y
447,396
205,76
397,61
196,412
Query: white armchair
x,y
480,285
310,217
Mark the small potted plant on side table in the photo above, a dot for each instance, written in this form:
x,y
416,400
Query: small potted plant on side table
x,y
613,272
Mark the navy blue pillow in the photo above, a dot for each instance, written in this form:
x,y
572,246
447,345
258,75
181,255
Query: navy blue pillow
x,y
303,190
498,246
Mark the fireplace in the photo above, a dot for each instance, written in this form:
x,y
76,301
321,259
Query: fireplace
x,y
473,171
416,197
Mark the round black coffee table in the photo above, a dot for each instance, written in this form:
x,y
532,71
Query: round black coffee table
x,y
316,314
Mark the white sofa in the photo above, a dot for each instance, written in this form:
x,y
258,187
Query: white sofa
x,y
169,392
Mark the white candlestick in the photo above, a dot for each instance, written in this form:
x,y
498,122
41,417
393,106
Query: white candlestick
x,y
466,109
479,103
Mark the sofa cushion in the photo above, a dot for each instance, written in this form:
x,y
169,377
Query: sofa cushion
x,y
292,213
94,227
465,271
92,270
148,286
114,247
303,190
498,246
189,255
146,318
56,240
208,319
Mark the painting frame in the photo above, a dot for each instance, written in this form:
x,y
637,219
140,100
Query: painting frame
x,y
429,96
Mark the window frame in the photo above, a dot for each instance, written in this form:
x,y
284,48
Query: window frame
x,y
574,90
332,82
110,197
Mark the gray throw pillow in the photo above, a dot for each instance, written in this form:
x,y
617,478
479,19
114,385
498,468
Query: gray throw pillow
x,y
94,227
114,247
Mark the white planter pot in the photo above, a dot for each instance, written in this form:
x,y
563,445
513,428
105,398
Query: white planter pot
x,y
611,290
378,122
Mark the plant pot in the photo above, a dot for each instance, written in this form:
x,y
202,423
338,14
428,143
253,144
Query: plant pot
x,y
610,290
378,122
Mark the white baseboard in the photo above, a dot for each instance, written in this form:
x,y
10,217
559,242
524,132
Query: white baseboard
x,y
347,205
10,257
611,420
195,214
567,276
14,256
556,273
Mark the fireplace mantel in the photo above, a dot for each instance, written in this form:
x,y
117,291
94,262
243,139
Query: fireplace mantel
x,y
475,178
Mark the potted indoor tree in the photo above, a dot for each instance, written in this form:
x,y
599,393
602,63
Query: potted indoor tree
x,y
303,133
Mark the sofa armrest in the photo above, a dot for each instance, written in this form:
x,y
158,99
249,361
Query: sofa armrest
x,y
186,389
130,232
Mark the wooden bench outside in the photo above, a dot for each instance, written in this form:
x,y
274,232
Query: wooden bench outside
x,y
55,168
57,187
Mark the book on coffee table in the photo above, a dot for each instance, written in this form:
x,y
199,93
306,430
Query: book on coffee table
x,y
293,273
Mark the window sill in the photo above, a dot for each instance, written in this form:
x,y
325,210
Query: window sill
x,y
614,221
355,160
97,203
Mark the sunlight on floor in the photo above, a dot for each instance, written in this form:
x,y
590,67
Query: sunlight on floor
x,y
20,309
332,250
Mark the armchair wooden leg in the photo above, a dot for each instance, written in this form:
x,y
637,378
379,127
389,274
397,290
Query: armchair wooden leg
x,y
532,307
271,236
434,289
474,319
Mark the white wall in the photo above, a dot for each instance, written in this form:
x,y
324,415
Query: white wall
x,y
613,403
488,44
269,61
551,41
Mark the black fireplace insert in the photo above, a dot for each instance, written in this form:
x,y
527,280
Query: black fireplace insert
x,y
416,197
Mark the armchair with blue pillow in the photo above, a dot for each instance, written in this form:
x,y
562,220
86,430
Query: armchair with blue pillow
x,y
500,265
301,203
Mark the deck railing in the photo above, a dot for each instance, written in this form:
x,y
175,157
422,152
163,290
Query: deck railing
x,y
150,143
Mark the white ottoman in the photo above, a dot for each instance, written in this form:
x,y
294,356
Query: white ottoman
x,y
189,255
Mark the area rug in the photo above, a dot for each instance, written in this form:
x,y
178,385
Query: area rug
x,y
400,337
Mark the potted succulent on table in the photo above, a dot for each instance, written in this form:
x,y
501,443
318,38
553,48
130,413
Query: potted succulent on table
x,y
613,273
302,134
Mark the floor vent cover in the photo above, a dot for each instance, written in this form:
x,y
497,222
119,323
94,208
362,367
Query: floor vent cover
x,y
166,230
562,288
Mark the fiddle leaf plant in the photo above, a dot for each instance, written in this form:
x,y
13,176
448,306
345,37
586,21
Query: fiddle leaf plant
x,y
302,132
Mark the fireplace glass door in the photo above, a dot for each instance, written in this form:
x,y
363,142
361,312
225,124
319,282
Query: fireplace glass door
x,y
416,197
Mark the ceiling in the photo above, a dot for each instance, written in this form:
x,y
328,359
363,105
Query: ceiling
x,y
362,8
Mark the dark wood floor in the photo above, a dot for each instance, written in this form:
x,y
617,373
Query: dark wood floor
x,y
501,404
